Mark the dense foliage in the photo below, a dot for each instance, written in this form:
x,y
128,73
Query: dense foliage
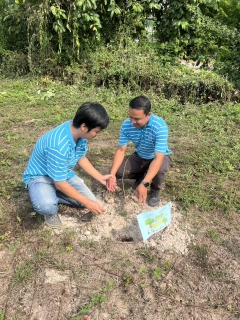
x,y
45,37
205,31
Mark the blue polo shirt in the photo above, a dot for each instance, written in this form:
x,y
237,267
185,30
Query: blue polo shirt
x,y
55,155
147,140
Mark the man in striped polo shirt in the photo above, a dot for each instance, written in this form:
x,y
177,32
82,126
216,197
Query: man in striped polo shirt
x,y
49,175
151,160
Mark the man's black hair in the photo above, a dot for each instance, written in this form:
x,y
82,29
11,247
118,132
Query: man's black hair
x,y
141,103
93,115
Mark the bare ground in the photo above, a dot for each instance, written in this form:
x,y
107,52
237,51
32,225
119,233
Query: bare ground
x,y
103,268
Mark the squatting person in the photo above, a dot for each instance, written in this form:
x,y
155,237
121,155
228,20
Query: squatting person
x,y
151,160
49,175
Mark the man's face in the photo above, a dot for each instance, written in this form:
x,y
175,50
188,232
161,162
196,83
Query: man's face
x,y
138,118
95,132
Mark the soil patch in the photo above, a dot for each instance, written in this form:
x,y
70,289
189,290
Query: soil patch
x,y
120,223
99,265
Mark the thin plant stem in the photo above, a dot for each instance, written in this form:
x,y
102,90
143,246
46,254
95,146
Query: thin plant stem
x,y
123,176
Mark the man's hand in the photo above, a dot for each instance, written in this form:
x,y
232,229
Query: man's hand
x,y
94,207
111,183
72,193
141,193
104,179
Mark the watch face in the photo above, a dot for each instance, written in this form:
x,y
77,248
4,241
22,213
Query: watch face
x,y
146,184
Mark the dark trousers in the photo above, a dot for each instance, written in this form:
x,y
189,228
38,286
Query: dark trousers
x,y
134,167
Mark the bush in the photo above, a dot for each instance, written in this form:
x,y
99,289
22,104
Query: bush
x,y
13,64
135,68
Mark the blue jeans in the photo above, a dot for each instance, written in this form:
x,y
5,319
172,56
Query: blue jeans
x,y
45,197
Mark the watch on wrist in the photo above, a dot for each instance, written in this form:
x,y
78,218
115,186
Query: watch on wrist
x,y
146,184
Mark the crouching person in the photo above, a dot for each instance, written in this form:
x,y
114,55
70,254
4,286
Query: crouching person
x,y
150,162
49,175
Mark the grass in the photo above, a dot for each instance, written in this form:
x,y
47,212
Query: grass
x,y
201,174
203,182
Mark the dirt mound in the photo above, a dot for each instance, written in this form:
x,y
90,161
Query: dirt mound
x,y
120,223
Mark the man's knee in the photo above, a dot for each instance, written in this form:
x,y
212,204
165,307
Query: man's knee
x,y
46,208
119,174
165,166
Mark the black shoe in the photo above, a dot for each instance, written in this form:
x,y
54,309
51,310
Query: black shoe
x,y
87,217
154,198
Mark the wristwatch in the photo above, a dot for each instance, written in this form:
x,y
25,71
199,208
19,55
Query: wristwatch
x,y
146,184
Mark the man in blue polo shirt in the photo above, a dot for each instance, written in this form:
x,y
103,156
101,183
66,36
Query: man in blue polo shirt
x,y
49,175
151,160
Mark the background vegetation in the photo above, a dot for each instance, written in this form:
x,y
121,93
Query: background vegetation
x,y
48,37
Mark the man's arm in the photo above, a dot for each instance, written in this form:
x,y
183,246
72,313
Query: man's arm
x,y
117,161
153,169
86,165
72,193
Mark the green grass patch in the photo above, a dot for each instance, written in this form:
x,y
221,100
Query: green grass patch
x,y
204,138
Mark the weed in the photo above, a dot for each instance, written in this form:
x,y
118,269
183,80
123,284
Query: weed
x,y
2,315
106,152
213,235
2,237
95,299
67,239
23,272
127,263
41,255
147,254
107,245
88,244
166,265
202,253
127,279
46,235
216,275
59,264
143,270
108,286
12,247
122,213
229,307
1,212
157,273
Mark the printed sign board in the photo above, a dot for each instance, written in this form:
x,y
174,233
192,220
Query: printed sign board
x,y
154,221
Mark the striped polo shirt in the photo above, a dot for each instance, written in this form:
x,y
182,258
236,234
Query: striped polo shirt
x,y
147,140
55,155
